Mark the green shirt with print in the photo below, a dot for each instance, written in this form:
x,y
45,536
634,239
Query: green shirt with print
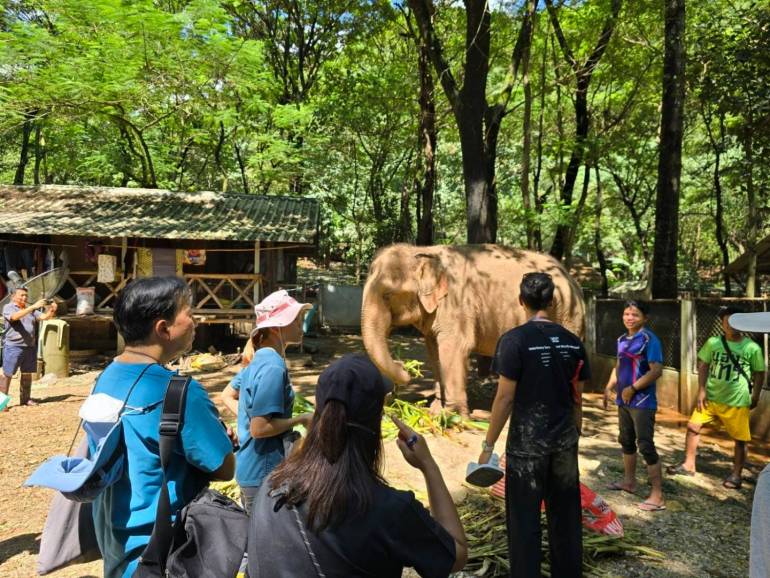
x,y
725,382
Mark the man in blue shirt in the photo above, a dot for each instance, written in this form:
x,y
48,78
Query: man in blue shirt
x,y
154,317
20,342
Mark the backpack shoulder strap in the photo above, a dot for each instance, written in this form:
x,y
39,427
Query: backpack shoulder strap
x,y
735,363
171,422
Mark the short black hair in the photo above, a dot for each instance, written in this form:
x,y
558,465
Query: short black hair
x,y
146,300
726,310
536,290
642,306
21,289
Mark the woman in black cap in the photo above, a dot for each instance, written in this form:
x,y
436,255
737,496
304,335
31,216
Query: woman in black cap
x,y
326,511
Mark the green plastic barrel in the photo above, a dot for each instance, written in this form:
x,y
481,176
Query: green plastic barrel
x,y
55,347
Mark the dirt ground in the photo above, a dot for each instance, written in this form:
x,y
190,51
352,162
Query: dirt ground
x,y
704,531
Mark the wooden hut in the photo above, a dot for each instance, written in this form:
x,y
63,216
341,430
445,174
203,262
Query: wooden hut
x,y
230,248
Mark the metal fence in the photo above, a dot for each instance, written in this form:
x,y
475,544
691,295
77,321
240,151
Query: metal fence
x,y
666,322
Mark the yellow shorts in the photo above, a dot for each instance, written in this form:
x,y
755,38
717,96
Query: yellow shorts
x,y
735,420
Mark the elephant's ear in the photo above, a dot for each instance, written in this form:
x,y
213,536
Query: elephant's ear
x,y
431,281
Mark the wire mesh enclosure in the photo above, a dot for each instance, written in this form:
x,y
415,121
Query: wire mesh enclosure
x,y
708,323
666,322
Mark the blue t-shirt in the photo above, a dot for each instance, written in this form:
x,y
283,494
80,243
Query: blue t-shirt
x,y
124,514
19,333
264,390
635,353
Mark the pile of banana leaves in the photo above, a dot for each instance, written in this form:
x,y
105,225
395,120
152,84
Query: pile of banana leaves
x,y
419,417
483,518
416,415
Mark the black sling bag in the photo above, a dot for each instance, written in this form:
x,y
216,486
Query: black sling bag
x,y
735,363
208,537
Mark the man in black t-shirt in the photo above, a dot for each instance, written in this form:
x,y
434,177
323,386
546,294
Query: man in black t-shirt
x,y
542,368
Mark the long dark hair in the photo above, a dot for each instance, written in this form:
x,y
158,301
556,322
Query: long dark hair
x,y
336,468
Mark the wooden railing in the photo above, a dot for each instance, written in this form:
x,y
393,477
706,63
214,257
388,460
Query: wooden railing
x,y
208,289
88,279
231,294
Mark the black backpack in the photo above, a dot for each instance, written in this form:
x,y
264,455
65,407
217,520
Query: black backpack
x,y
208,537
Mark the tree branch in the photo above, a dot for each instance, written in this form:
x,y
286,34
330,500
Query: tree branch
x,y
423,13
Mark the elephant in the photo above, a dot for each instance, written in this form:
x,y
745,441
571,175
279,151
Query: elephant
x,y
462,299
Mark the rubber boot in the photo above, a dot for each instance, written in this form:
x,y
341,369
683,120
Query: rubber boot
x,y
25,386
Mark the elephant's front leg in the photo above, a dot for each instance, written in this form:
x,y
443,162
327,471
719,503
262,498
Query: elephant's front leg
x,y
453,359
431,346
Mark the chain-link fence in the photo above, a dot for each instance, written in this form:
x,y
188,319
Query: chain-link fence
x,y
708,324
666,322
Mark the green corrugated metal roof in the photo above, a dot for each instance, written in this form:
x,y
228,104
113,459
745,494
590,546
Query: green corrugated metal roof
x,y
156,213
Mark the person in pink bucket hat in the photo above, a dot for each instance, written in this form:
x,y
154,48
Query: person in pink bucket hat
x,y
261,394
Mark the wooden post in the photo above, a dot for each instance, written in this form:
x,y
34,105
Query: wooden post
x,y
279,266
123,253
257,285
688,352
766,340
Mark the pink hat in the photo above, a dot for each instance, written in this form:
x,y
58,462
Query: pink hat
x,y
278,309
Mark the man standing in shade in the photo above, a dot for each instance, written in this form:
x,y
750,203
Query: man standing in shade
x,y
542,369
20,341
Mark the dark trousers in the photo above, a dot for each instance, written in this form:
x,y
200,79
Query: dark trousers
x,y
528,481
637,428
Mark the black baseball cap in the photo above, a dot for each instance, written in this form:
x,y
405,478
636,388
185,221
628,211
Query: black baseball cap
x,y
356,382
727,310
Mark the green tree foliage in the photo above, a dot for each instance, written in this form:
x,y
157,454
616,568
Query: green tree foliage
x,y
321,98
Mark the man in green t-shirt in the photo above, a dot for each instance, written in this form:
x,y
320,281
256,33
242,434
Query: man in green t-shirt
x,y
726,364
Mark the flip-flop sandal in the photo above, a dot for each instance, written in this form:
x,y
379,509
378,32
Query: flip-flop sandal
x,y
650,507
679,470
620,487
484,475
732,483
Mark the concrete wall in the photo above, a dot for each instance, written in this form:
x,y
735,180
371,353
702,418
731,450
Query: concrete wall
x,y
340,306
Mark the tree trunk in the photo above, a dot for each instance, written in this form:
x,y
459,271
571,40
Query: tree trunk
x,y
664,271
26,132
39,153
561,238
583,73
526,152
470,109
426,181
572,229
538,231
753,212
478,122
404,234
598,236
242,168
630,200
718,147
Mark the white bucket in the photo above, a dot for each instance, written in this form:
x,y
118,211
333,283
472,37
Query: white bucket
x,y
85,301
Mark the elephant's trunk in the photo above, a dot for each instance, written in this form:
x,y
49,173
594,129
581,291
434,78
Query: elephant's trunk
x,y
375,327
